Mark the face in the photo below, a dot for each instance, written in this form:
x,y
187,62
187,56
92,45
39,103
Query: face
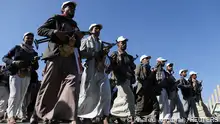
x,y
96,30
29,39
194,76
170,68
69,11
162,63
184,73
146,60
122,45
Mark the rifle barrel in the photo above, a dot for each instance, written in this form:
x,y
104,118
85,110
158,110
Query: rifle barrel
x,y
43,40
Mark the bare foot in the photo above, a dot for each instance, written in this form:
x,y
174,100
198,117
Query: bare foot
x,y
105,121
164,122
11,120
73,122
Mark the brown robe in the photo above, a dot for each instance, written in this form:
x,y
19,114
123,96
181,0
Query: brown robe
x,y
58,94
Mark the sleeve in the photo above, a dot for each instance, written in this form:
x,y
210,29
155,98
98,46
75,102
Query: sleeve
x,y
152,78
48,28
8,57
83,50
113,59
132,64
35,64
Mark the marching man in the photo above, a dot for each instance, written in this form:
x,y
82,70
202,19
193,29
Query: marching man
x,y
95,94
123,70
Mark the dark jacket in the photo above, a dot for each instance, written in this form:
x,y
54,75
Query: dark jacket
x,y
17,53
123,69
57,22
185,87
146,80
171,85
171,82
142,75
159,83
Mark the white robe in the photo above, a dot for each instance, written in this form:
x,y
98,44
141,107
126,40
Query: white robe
x,y
95,93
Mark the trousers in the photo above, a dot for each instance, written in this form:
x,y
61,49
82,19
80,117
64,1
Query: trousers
x,y
18,88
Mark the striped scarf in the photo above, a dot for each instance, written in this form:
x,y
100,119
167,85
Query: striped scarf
x,y
27,48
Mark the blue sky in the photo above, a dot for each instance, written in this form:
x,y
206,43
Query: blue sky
x,y
186,32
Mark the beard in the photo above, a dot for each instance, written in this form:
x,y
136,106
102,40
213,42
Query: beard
x,y
70,14
124,47
97,34
163,64
29,43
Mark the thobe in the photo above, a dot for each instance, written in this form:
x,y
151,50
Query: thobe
x,y
95,93
57,98
124,104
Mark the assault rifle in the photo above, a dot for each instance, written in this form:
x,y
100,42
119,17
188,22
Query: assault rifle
x,y
68,33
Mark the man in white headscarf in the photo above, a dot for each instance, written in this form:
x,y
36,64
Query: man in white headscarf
x,y
197,93
147,105
95,93
162,95
57,98
123,67
20,60
176,106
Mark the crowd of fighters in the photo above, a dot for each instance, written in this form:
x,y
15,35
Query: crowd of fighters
x,y
105,89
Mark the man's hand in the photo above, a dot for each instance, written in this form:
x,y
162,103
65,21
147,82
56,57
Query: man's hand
x,y
194,84
72,41
154,69
106,50
36,58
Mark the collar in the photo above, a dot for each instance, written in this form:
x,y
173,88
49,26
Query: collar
x,y
95,39
170,72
